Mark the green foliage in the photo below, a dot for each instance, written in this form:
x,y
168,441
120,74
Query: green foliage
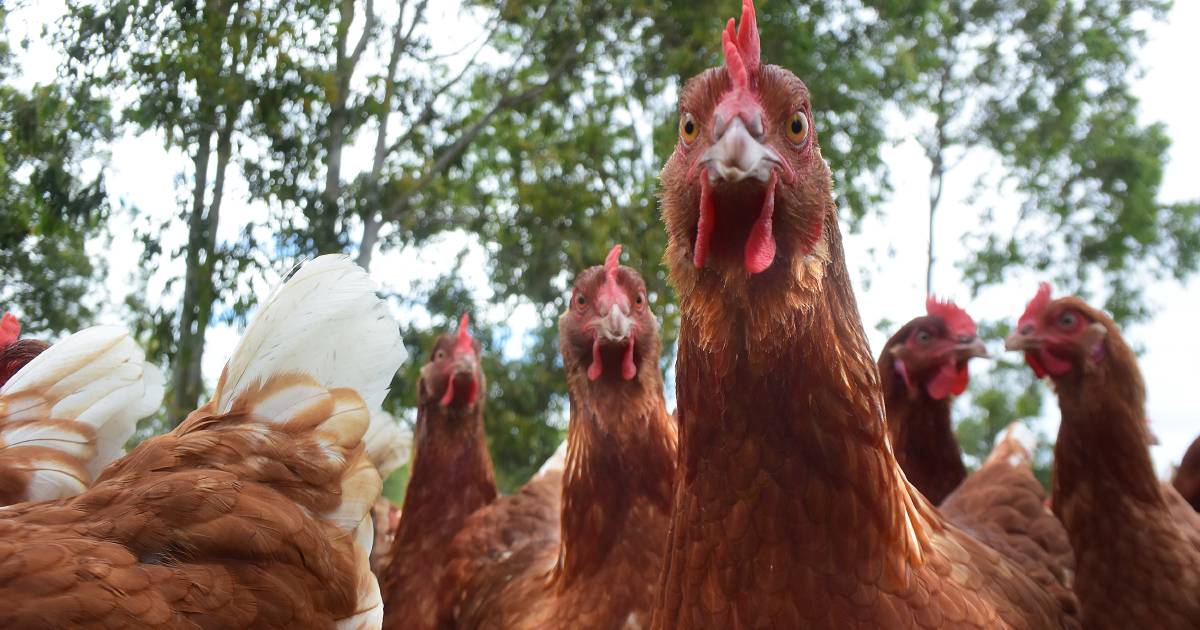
x,y
53,199
541,143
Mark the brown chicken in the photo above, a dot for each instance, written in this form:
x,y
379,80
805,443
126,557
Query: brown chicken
x,y
921,367
67,410
451,478
526,562
1137,545
253,512
790,509
1187,476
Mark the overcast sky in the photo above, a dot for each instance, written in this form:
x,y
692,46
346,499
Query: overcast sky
x,y
144,175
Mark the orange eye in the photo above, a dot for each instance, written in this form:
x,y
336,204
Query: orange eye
x,y
688,129
797,129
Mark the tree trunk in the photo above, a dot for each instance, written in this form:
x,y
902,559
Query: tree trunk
x,y
188,382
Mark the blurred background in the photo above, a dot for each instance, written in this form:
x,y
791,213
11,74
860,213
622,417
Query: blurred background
x,y
164,162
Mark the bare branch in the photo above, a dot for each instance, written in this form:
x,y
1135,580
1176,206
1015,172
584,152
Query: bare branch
x,y
368,27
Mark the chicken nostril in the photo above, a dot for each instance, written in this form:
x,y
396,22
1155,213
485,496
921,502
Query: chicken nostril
x,y
755,125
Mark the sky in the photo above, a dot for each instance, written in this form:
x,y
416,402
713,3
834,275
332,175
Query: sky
x,y
144,175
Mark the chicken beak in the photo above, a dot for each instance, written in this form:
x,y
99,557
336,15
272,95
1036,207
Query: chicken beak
x,y
971,350
737,156
465,363
1023,339
615,326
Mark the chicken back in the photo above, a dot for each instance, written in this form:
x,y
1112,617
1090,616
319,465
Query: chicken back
x,y
253,512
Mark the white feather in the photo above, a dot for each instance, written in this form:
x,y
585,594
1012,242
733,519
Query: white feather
x,y
557,461
325,321
97,377
1021,434
388,443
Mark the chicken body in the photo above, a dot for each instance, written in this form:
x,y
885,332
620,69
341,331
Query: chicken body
x,y
1137,545
790,510
253,513
451,478
582,547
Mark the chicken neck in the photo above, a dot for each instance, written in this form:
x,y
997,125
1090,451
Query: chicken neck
x,y
451,474
786,477
1100,457
621,454
923,439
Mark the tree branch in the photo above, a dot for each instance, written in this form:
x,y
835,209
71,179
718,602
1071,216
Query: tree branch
x,y
455,150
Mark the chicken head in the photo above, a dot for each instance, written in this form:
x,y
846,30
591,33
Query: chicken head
x,y
1059,336
608,326
453,376
932,352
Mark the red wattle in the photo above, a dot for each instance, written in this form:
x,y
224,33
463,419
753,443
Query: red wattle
x,y
1052,363
473,395
707,218
950,379
449,395
628,369
597,366
760,247
1032,360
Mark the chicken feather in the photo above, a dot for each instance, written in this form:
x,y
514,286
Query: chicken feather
x,y
68,412
253,512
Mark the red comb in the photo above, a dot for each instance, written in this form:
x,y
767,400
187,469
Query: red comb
x,y
957,320
1037,304
742,47
10,329
612,261
462,340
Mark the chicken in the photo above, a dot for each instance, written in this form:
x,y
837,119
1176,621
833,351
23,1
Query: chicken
x,y
252,513
1187,476
451,478
920,367
67,410
1137,546
790,510
581,547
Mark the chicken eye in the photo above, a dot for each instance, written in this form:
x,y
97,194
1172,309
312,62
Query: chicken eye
x,y
580,300
439,355
923,336
688,129
639,299
1067,320
797,129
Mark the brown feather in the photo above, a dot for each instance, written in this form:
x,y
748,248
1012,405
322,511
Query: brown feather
x,y
211,525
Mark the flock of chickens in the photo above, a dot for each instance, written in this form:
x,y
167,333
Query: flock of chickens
x,y
799,484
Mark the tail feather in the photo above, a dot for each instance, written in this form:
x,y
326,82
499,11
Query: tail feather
x,y
325,321
83,396
319,357
1016,444
389,444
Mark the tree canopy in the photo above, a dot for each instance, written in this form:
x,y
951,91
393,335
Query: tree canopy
x,y
530,133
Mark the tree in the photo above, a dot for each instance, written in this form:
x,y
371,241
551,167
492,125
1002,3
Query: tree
x,y
1045,88
193,70
54,201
